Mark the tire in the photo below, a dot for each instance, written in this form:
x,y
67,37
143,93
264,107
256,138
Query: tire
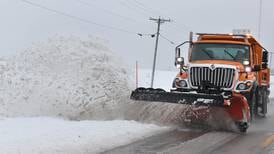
x,y
268,93
242,127
261,97
265,101
252,106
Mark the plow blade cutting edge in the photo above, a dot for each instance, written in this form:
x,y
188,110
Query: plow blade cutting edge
x,y
160,95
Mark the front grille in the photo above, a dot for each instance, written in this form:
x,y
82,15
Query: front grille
x,y
218,77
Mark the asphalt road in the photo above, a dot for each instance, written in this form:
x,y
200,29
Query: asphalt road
x,y
258,139
157,143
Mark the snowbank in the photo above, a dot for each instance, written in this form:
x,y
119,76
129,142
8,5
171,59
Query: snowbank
x,y
70,78
67,77
47,135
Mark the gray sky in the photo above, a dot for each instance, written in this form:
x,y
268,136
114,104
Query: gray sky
x,y
22,23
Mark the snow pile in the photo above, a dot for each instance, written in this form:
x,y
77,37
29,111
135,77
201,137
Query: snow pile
x,y
51,135
66,77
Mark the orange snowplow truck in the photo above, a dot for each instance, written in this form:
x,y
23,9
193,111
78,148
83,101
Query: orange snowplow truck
x,y
224,70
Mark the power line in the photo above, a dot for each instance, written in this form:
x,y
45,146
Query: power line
x,y
171,42
106,10
147,8
134,8
77,18
143,7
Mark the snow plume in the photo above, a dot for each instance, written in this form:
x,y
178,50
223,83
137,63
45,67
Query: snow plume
x,y
64,76
182,116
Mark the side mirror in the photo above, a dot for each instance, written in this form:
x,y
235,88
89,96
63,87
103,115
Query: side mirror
x,y
265,60
257,68
179,61
265,56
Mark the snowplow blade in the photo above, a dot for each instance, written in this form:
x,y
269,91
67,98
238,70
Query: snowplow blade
x,y
160,95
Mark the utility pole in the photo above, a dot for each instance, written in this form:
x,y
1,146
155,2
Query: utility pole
x,y
260,19
159,21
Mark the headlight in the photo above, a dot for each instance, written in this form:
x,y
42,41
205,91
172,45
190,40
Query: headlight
x,y
180,59
244,86
245,62
241,86
247,69
183,83
177,83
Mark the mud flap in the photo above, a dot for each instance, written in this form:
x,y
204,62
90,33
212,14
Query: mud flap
x,y
239,111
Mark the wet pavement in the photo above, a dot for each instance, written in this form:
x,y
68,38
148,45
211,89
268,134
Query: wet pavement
x,y
258,139
158,143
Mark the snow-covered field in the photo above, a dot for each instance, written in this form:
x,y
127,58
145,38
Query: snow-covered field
x,y
163,79
52,135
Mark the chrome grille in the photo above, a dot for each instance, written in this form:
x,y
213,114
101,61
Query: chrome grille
x,y
218,77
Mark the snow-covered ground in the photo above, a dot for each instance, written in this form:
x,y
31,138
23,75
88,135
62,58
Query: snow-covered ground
x,y
47,88
163,79
52,135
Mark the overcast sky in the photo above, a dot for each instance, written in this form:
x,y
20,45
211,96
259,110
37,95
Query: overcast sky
x,y
119,21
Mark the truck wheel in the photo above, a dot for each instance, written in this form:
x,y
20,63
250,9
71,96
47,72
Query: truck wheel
x,y
261,102
252,106
265,101
242,126
268,93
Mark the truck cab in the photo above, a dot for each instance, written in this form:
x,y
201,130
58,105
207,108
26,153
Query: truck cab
x,y
227,64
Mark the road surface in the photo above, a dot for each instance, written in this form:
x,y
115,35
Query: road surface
x,y
258,139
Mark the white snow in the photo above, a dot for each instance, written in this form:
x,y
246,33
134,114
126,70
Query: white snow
x,y
272,86
72,79
68,77
162,78
51,135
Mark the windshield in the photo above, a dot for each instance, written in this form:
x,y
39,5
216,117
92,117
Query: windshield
x,y
210,51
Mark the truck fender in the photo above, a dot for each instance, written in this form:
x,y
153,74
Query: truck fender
x,y
239,109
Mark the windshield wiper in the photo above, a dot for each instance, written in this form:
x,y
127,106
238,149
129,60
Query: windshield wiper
x,y
229,54
207,53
